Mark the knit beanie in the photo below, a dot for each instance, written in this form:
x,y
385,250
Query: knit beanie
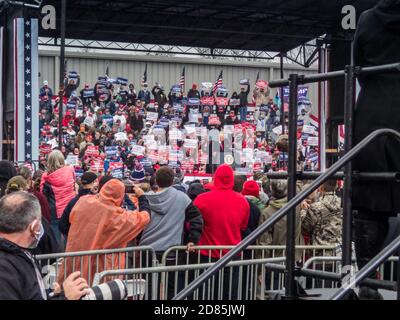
x,y
251,188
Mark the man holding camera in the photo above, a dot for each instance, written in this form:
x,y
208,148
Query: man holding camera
x,y
20,230
99,222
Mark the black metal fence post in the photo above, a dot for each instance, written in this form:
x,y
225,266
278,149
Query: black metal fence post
x,y
290,285
62,62
348,143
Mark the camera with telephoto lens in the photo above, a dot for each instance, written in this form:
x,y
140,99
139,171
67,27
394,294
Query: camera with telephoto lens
x,y
112,290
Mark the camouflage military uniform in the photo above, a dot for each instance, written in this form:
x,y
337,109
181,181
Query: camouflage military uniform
x,y
323,221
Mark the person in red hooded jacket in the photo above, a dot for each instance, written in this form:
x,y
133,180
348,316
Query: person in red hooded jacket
x,y
58,186
225,214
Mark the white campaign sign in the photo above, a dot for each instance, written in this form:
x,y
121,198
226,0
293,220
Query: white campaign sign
x,y
138,150
120,136
190,129
228,128
175,134
308,129
152,116
88,121
190,143
72,160
312,141
277,130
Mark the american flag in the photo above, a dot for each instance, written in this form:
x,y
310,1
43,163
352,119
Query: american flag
x,y
218,82
182,80
26,90
144,78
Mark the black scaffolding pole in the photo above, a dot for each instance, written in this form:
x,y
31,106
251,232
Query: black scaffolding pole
x,y
62,70
290,287
348,143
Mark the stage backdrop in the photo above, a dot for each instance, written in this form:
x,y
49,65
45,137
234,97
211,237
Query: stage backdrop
x,y
26,90
1,91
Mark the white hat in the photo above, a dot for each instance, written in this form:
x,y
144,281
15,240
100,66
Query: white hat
x,y
45,83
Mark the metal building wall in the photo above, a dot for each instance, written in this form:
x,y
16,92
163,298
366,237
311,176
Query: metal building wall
x,y
164,70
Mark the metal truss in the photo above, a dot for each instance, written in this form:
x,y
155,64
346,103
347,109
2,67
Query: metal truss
x,y
161,50
304,55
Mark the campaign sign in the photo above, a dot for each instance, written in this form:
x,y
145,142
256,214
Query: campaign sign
x,y
92,151
221,101
312,141
72,160
309,129
190,143
122,81
117,173
207,101
175,134
121,136
146,162
138,150
234,102
190,128
88,93
193,102
151,145
78,172
88,121
45,149
214,120
108,119
152,116
229,129
193,116
111,151
177,107
97,165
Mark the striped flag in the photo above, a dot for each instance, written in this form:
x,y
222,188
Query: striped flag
x,y
218,82
182,80
144,78
26,90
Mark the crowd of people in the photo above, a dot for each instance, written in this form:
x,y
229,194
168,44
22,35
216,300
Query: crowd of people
x,y
118,179
60,212
112,128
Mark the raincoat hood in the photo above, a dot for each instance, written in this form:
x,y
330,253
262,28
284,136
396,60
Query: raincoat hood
x,y
224,178
113,191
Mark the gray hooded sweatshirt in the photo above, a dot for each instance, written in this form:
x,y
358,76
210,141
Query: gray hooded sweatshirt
x,y
167,219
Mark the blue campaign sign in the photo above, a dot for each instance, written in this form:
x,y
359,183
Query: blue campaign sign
x,y
283,157
301,91
117,173
88,93
146,162
108,119
78,172
193,102
111,151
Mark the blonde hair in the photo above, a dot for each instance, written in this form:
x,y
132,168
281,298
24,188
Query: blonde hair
x,y
55,161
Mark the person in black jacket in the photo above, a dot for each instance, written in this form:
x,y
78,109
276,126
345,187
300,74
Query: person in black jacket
x,y
89,186
194,93
376,42
21,230
243,101
159,97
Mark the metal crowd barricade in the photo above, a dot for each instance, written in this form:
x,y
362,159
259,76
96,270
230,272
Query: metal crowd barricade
x,y
219,287
60,265
251,276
